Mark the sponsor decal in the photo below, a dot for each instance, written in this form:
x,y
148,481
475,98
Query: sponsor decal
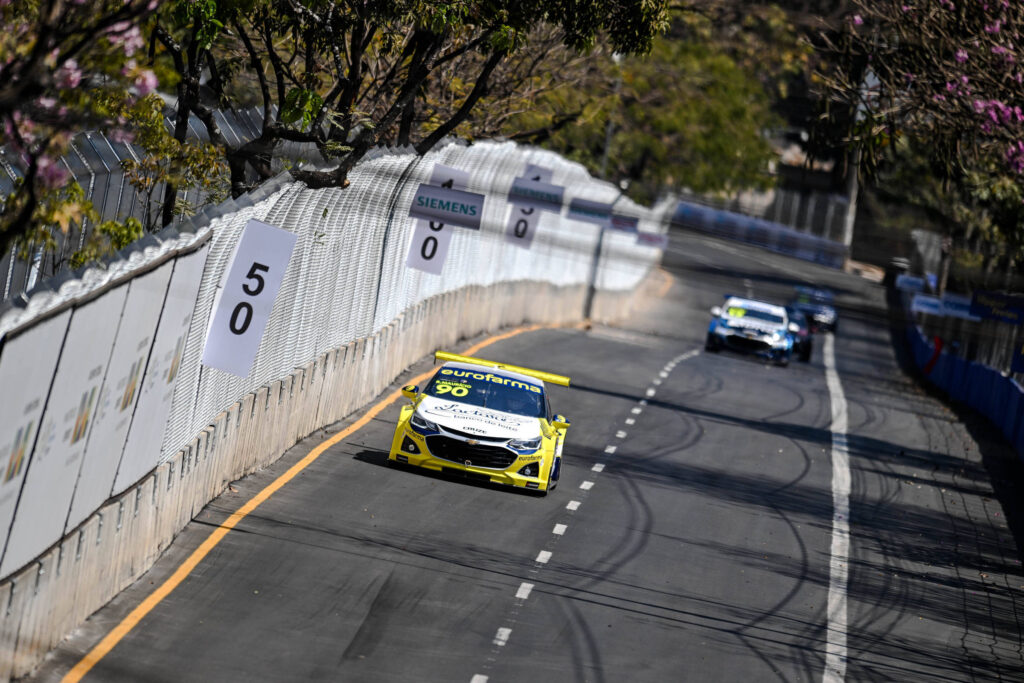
x,y
488,377
1003,307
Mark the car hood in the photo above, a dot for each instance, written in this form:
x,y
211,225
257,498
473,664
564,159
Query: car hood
x,y
749,324
484,422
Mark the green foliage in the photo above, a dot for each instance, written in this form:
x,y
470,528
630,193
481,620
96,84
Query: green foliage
x,y
301,105
693,113
105,239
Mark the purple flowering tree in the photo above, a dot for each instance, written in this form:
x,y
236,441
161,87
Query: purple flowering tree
x,y
65,66
949,76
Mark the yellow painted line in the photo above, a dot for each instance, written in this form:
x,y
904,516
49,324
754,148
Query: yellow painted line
x,y
217,535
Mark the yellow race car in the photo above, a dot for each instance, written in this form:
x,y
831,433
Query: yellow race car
x,y
485,420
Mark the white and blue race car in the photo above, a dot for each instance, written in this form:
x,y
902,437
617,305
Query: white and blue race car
x,y
750,326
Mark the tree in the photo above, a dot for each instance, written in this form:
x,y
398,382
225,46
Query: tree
x,y
693,113
346,76
64,67
946,76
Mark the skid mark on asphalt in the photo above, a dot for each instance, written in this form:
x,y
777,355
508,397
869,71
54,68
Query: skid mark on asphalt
x,y
544,556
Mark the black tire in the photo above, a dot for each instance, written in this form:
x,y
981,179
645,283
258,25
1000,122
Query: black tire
x,y
805,354
710,345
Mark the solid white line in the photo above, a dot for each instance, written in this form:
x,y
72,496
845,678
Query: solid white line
x,y
543,556
524,590
650,392
573,505
501,637
610,449
559,529
478,678
620,434
630,421
835,648
587,485
599,467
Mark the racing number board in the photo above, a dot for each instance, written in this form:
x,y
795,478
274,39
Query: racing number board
x,y
247,298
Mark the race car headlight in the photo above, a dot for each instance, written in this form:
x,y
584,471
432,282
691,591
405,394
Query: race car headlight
x,y
524,444
421,425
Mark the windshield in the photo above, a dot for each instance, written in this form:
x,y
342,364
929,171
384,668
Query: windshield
x,y
488,390
753,314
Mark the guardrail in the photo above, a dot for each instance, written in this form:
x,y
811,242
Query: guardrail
x,y
763,233
989,390
116,434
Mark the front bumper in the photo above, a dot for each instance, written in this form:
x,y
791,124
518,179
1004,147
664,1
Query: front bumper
x,y
479,462
757,344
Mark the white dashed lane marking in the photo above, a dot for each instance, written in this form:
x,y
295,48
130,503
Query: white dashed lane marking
x,y
544,556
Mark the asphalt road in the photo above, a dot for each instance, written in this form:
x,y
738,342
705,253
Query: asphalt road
x,y
689,539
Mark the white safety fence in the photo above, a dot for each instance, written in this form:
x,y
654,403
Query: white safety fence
x,y
113,435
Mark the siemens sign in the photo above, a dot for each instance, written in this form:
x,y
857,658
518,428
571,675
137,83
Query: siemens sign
x,y
448,206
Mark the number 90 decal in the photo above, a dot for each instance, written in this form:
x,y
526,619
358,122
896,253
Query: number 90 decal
x,y
455,390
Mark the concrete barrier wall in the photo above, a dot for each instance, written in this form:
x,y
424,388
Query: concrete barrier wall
x,y
117,544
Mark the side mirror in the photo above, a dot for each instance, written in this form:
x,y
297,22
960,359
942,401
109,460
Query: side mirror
x,y
410,391
793,327
716,311
560,422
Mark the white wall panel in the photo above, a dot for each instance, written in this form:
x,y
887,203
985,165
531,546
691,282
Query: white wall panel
x,y
120,394
26,372
66,424
145,435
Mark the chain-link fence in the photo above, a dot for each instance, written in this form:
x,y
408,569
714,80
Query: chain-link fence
x,y
94,161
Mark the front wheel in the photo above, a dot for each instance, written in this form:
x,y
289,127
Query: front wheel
x,y
711,344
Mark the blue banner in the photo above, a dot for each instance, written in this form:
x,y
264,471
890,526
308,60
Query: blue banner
x,y
1005,308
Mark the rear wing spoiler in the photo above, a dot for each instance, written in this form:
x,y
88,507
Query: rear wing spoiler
x,y
561,380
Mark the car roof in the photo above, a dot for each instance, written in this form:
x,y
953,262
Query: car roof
x,y
499,372
755,305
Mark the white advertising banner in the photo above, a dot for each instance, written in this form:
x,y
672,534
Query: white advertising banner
x,y
64,433
145,435
431,239
26,362
247,297
120,392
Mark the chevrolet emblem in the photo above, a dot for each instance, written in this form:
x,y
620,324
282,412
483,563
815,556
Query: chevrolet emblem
x,y
472,442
